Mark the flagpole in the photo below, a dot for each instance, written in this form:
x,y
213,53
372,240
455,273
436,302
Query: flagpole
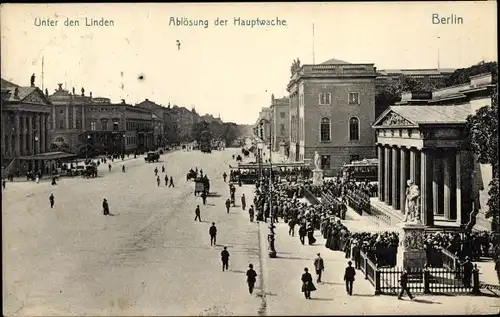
x,y
42,73
314,59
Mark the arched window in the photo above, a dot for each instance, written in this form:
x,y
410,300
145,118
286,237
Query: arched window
x,y
354,129
324,128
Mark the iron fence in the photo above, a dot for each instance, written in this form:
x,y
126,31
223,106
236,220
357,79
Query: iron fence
x,y
310,196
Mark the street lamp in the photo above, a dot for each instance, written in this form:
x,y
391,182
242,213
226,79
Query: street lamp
x,y
123,142
35,139
270,236
87,148
260,147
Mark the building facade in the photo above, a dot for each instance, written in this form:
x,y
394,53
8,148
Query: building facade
x,y
280,122
427,143
332,107
264,123
80,123
25,130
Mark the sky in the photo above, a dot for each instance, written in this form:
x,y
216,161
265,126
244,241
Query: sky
x,y
230,70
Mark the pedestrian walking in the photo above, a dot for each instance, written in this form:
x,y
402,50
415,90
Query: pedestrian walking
x,y
163,168
197,213
224,176
349,274
228,205
213,234
51,200
310,234
109,167
171,182
251,278
105,207
204,197
356,252
123,168
158,180
156,171
302,233
224,255
291,227
403,282
243,202
166,179
307,284
251,213
319,266
3,183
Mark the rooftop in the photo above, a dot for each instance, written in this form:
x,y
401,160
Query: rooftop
x,y
450,114
334,61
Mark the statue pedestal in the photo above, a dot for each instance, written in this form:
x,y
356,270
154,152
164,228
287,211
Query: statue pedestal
x,y
413,245
317,177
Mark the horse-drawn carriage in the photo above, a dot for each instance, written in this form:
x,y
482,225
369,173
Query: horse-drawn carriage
x,y
202,185
90,171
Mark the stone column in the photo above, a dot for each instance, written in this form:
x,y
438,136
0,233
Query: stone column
x,y
66,113
43,133
22,134
30,135
4,136
449,188
54,126
387,176
464,169
18,134
395,178
404,171
83,119
458,185
381,165
427,214
415,166
38,128
437,184
74,117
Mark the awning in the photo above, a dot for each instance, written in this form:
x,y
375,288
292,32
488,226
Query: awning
x,y
48,156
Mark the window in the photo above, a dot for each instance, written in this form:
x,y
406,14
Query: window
x,y
353,158
61,124
92,125
282,115
282,129
115,126
325,98
354,98
61,111
324,128
104,125
325,162
354,129
78,124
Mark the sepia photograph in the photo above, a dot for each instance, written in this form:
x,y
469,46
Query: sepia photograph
x,y
250,159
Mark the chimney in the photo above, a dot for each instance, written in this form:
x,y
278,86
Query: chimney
x,y
147,99
16,93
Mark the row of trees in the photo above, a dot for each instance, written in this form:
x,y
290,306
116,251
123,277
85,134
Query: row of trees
x,y
227,131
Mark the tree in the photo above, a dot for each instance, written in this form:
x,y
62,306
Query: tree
x,y
462,75
482,130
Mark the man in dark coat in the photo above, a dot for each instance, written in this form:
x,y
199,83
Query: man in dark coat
x,y
307,284
197,213
349,274
224,255
51,199
166,180
105,207
243,202
251,278
356,252
213,234
228,205
171,182
302,233
403,282
204,197
319,266
291,225
467,271
224,176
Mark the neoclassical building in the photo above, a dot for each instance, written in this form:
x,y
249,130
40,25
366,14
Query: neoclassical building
x,y
332,107
423,139
280,121
25,112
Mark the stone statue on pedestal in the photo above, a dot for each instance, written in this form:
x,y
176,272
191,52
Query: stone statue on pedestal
x,y
73,90
317,161
32,80
412,203
83,92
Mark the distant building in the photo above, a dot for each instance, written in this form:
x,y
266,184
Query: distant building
x,y
79,121
431,76
332,107
263,124
280,122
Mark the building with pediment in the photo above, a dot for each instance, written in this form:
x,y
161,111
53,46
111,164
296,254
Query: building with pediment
x,y
423,139
332,107
25,130
83,121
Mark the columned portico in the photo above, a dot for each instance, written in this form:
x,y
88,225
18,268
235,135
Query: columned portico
x,y
431,158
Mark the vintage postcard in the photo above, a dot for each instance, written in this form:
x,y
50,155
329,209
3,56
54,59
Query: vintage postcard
x,y
217,159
